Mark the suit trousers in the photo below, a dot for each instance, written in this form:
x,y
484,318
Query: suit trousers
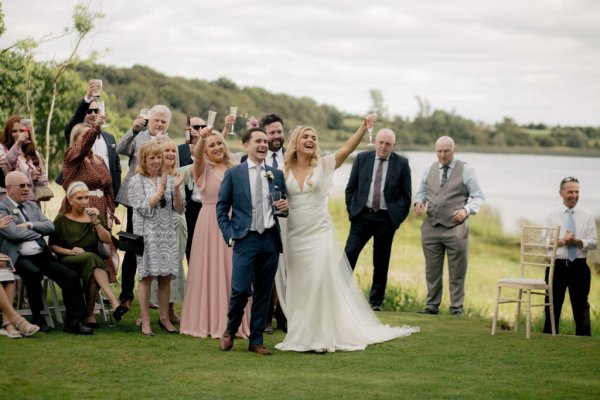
x,y
255,260
192,210
377,225
576,277
438,241
32,270
129,265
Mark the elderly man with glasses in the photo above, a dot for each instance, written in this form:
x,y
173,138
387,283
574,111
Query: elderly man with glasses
x,y
577,236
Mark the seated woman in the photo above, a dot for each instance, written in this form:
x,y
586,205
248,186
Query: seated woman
x,y
13,325
76,243
18,152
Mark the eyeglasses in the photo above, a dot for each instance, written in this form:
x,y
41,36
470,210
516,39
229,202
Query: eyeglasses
x,y
198,127
22,185
569,179
93,111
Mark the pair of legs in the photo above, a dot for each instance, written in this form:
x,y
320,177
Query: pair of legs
x,y
11,320
576,277
438,241
97,282
379,226
128,267
255,260
162,295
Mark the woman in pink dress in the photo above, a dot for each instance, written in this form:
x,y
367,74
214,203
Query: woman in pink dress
x,y
206,299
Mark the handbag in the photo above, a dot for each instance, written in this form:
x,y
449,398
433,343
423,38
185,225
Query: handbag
x,y
43,193
131,242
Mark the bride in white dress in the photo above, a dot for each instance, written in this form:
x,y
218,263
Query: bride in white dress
x,y
325,307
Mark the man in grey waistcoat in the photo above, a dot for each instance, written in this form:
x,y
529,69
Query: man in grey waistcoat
x,y
449,193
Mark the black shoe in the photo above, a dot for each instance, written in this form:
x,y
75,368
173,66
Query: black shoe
x,y
376,308
457,313
41,322
77,328
92,325
165,328
119,312
428,311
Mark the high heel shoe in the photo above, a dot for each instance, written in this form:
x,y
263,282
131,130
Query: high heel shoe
x,y
144,333
165,328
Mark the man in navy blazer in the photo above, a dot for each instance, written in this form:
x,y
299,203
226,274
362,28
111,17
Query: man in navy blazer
x,y
105,146
23,242
254,229
378,198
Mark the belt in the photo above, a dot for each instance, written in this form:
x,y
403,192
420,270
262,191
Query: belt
x,y
97,193
381,210
569,263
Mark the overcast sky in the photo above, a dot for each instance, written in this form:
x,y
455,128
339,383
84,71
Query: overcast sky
x,y
535,60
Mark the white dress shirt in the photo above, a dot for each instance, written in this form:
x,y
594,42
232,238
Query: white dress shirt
x,y
28,247
585,229
278,156
267,208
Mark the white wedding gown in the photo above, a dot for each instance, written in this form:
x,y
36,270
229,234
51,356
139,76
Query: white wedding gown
x,y
325,308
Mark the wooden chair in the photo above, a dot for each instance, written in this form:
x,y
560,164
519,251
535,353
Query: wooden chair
x,y
538,252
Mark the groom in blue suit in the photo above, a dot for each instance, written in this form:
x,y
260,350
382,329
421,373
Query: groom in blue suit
x,y
253,228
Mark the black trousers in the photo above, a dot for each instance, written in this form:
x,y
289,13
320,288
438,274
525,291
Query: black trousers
x,y
129,265
379,226
192,209
576,277
32,270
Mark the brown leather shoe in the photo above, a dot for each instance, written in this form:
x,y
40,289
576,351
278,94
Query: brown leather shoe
x,y
226,342
259,349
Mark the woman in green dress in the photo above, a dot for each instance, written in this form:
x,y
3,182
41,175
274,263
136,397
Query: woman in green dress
x,y
76,241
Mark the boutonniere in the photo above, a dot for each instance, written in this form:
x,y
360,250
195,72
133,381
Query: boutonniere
x,y
270,176
15,211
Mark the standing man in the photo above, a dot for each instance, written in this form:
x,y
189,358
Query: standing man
x,y
24,244
577,236
450,192
245,191
129,145
105,146
378,199
193,202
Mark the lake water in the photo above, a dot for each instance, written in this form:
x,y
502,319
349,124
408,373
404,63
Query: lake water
x,y
517,186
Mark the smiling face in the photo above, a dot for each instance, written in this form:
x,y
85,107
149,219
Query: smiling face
x,y
158,123
275,136
92,113
569,192
307,143
257,147
169,154
215,149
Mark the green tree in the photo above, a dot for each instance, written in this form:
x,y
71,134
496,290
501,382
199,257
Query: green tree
x,y
377,104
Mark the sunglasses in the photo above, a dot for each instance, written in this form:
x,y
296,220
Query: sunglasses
x,y
569,179
93,111
22,185
198,127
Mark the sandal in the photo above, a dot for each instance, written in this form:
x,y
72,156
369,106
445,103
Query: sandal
x,y
25,327
11,335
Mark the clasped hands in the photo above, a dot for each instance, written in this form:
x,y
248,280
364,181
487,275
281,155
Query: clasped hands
x,y
457,216
570,240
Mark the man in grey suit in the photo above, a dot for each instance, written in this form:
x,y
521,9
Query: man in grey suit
x,y
129,145
378,198
451,193
23,242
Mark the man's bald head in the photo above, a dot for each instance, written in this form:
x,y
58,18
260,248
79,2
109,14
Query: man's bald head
x,y
444,149
17,186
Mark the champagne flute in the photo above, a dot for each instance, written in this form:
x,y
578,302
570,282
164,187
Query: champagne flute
x,y
102,111
97,92
275,197
233,111
212,116
370,129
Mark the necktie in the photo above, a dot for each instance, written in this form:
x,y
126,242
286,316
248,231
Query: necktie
x,y
377,186
39,240
444,175
275,163
258,202
571,250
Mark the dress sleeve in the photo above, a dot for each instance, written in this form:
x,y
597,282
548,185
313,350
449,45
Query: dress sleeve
x,y
140,201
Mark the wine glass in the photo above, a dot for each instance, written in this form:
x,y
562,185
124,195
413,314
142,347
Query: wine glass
x,y
275,197
99,89
370,130
145,112
102,111
233,111
212,116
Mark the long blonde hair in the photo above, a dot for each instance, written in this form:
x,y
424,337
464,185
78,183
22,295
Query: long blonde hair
x,y
291,156
226,156
166,143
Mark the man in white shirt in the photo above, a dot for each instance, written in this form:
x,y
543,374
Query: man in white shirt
x,y
577,236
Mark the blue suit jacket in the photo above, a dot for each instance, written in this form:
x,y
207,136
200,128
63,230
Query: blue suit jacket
x,y
13,235
235,195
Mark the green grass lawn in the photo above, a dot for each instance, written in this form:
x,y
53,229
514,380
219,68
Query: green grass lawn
x,y
452,357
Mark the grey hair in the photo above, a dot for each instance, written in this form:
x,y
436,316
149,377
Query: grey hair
x,y
161,109
75,187
389,132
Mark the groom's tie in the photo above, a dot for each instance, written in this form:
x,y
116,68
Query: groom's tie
x,y
258,202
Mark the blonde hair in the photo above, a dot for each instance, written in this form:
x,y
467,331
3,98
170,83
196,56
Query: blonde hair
x,y
226,156
291,156
77,131
167,143
75,187
147,150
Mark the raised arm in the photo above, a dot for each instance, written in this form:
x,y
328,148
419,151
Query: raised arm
x,y
352,143
198,165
